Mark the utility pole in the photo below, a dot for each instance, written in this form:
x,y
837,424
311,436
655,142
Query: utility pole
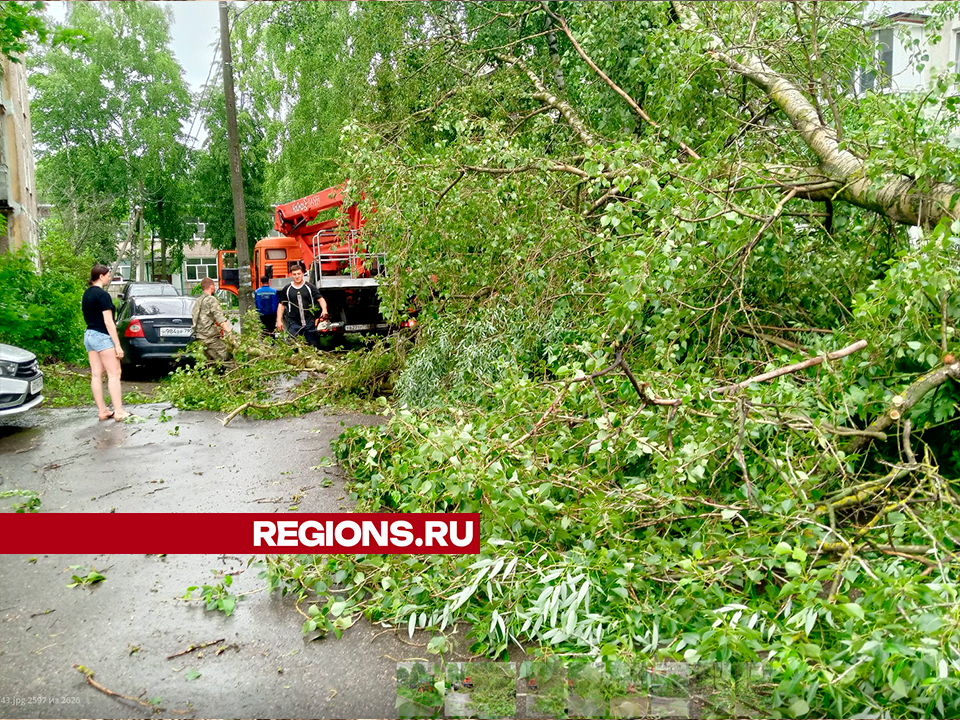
x,y
141,266
236,178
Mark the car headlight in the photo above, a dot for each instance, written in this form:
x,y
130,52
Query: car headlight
x,y
7,368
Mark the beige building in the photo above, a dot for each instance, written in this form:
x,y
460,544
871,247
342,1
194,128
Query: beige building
x,y
18,199
199,261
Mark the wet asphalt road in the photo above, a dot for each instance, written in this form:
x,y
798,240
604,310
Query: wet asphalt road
x,y
172,461
125,627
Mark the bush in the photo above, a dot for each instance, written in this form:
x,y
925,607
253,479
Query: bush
x,y
40,312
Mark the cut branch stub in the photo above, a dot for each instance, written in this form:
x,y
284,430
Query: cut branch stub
x,y
902,403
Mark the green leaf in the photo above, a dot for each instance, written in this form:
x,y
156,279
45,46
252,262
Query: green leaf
x,y
799,707
900,689
437,644
853,610
191,674
228,604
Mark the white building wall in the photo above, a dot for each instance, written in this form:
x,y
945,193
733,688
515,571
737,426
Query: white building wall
x,y
915,46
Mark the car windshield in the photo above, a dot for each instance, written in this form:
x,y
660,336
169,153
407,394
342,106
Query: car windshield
x,y
151,289
163,306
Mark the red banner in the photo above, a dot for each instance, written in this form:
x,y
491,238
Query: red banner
x,y
241,533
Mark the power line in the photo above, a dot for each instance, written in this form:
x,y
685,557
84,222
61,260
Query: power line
x,y
206,86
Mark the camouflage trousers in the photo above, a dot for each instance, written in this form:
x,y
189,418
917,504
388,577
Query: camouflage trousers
x,y
215,349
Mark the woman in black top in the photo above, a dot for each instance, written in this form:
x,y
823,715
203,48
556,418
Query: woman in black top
x,y
102,343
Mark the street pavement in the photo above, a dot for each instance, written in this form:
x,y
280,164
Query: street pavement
x,y
124,628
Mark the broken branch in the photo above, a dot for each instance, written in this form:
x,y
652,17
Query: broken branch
x,y
194,648
796,367
545,96
88,674
256,406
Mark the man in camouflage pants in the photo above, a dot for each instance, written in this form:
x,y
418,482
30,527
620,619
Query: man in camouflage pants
x,y
208,319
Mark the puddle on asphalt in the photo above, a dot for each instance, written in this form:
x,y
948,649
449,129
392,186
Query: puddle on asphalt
x,y
283,386
17,438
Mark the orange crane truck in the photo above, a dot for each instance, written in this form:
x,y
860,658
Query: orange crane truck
x,y
327,238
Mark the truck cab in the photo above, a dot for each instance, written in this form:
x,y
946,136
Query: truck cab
x,y
271,257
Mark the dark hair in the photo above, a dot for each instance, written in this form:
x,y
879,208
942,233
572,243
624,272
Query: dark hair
x,y
264,280
97,271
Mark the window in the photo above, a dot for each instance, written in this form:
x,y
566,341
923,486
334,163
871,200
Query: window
x,y
163,306
956,51
884,61
199,268
276,254
885,56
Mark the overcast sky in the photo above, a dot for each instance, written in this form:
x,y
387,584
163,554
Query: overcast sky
x,y
195,33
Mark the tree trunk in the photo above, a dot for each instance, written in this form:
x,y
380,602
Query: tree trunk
x,y
163,241
141,265
236,175
896,196
558,77
135,213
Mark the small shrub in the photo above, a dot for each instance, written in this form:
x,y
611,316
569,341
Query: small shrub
x,y
40,312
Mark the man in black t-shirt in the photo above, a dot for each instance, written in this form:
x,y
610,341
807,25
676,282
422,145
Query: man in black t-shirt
x,y
297,303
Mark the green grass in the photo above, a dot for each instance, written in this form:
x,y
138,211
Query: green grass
x,y
65,386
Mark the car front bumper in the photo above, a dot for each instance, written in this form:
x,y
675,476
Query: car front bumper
x,y
15,395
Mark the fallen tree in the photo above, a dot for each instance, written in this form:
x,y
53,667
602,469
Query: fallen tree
x,y
607,224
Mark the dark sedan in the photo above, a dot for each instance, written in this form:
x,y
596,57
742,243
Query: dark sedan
x,y
155,329
147,289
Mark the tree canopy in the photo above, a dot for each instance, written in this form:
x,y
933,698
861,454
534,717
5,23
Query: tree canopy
x,y
620,220
107,119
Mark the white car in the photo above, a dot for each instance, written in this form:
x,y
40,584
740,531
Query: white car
x,y
20,380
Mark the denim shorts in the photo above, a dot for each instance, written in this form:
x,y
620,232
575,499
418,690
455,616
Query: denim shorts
x,y
96,341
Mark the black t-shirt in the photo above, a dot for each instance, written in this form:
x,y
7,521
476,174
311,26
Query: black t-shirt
x,y
95,301
300,302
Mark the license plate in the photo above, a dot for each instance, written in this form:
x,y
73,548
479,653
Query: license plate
x,y
175,332
36,385
357,328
